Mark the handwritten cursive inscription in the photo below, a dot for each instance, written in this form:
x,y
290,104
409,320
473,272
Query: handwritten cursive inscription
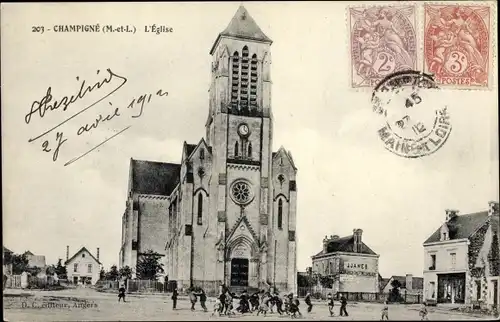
x,y
44,105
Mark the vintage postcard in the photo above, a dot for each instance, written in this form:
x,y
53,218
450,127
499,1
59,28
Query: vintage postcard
x,y
252,160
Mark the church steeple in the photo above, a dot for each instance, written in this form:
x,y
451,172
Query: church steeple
x,y
244,27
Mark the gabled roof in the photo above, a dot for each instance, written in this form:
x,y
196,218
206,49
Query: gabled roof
x,y
243,26
287,154
237,224
346,245
6,250
461,226
383,283
154,178
83,249
191,147
27,253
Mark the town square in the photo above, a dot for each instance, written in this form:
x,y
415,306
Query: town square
x,y
258,161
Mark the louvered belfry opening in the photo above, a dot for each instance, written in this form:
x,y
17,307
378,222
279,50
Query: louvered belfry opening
x,y
235,80
244,83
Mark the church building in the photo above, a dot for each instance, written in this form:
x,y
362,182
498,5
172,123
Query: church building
x,y
227,213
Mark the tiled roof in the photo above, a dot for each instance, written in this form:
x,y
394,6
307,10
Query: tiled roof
x,y
242,25
346,245
462,226
155,178
80,251
417,282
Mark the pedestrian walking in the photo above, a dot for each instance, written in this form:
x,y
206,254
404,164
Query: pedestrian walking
x,y
192,298
121,293
175,294
279,303
308,302
222,299
294,307
385,312
329,302
343,306
203,299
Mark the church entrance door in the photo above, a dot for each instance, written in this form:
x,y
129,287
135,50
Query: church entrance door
x,y
239,272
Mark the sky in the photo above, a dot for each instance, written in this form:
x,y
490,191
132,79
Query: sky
x,y
346,179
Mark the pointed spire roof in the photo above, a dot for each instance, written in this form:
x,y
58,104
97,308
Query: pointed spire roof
x,y
243,26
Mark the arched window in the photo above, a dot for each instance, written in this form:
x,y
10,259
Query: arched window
x,y
236,149
249,150
202,154
200,209
280,214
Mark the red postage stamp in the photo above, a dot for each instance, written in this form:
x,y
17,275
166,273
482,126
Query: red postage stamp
x,y
382,41
457,44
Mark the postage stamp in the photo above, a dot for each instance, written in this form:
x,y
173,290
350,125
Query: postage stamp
x,y
415,122
457,44
382,41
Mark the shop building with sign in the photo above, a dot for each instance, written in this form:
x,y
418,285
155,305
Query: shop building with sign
x,y
352,265
461,260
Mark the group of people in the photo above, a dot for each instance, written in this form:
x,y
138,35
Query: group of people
x,y
263,302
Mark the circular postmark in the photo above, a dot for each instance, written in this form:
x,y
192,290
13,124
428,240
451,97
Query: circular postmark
x,y
416,123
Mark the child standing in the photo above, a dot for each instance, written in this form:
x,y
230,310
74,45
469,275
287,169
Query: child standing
x,y
329,299
121,293
385,312
423,313
175,294
308,302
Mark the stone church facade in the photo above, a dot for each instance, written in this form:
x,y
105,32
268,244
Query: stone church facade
x,y
227,213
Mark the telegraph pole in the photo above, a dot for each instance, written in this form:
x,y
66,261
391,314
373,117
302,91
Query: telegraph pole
x,y
274,277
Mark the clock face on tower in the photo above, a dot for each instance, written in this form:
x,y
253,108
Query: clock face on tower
x,y
243,130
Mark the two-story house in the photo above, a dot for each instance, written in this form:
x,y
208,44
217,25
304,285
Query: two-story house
x,y
351,264
461,259
83,267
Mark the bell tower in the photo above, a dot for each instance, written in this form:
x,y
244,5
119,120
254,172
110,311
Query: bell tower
x,y
239,130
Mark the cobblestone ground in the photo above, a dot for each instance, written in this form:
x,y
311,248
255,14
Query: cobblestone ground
x,y
87,304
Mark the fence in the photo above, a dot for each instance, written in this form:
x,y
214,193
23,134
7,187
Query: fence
x,y
321,293
146,286
13,281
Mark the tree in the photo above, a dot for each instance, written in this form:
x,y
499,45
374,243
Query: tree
x,y
149,266
102,274
61,270
125,272
326,281
19,264
112,275
494,256
50,270
394,295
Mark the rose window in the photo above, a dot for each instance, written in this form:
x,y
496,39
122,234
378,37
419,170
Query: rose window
x,y
241,192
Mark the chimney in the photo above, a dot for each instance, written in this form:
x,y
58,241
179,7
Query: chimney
x,y
450,214
97,253
67,252
492,208
357,239
325,243
409,282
